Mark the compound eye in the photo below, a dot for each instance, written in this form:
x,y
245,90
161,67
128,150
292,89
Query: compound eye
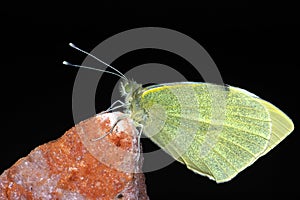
x,y
127,88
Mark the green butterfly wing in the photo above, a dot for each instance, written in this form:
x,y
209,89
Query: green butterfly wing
x,y
217,131
282,125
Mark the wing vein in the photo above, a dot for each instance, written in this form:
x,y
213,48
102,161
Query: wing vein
x,y
202,121
239,146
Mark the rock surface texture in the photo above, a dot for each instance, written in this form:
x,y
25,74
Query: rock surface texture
x,y
77,166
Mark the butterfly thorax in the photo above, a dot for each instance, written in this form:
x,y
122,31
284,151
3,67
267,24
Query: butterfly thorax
x,y
132,91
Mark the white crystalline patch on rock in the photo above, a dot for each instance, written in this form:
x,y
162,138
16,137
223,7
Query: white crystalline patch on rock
x,y
3,182
36,170
114,156
121,125
66,195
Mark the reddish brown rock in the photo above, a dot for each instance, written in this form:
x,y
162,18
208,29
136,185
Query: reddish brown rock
x,y
76,167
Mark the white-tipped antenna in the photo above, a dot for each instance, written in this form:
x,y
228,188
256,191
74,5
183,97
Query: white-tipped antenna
x,y
100,70
75,47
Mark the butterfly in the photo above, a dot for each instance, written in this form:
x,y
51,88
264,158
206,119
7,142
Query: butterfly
x,y
215,130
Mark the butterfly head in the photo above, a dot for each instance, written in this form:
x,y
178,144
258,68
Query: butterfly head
x,y
132,92
130,89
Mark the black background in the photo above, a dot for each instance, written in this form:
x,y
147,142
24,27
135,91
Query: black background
x,y
256,47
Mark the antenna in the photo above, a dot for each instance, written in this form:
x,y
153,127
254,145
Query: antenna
x,y
89,54
86,67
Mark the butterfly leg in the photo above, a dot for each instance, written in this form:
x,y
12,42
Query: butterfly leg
x,y
111,107
141,126
124,116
